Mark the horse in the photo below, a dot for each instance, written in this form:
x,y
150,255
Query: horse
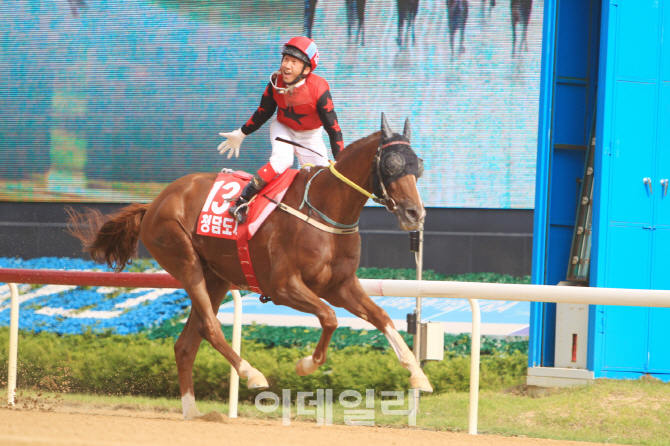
x,y
407,10
356,18
457,18
296,264
521,10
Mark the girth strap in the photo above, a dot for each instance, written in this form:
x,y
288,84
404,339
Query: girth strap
x,y
245,257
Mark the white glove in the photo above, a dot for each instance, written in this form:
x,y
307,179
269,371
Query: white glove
x,y
233,143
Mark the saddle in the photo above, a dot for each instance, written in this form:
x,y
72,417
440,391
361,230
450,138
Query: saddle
x,y
214,220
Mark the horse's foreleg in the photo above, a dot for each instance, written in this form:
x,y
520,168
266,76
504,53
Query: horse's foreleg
x,y
297,296
353,299
417,379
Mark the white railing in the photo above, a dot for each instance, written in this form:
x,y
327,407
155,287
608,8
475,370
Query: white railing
x,y
87,278
509,292
519,293
394,288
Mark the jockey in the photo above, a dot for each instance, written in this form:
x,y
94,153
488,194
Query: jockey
x,y
305,107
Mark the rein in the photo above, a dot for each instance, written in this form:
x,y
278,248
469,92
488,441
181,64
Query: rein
x,y
340,228
385,200
305,201
349,182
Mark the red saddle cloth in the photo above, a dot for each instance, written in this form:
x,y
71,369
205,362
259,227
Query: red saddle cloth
x,y
215,220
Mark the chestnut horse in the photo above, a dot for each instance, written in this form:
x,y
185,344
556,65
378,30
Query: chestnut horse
x,y
296,264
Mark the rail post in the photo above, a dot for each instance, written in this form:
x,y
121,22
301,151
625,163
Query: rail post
x,y
475,347
237,347
13,343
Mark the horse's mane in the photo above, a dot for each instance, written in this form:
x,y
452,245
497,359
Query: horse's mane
x,y
354,146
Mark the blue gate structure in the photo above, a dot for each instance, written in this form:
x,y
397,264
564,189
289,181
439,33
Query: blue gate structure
x,y
605,92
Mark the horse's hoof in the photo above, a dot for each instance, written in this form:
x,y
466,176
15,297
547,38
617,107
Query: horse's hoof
x,y
421,383
306,366
192,414
257,382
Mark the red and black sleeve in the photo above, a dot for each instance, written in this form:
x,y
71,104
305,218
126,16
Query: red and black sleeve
x,y
262,113
326,111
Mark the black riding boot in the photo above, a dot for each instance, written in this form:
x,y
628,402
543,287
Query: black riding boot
x,y
239,209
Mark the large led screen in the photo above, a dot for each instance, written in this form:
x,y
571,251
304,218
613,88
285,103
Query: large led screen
x,y
110,100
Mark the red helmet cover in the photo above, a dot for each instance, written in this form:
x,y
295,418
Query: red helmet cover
x,y
306,46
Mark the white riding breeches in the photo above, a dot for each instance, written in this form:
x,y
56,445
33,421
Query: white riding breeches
x,y
282,153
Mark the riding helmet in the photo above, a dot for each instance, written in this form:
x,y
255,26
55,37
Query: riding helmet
x,y
302,48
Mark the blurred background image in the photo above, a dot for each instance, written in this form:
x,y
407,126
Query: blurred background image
x,y
110,100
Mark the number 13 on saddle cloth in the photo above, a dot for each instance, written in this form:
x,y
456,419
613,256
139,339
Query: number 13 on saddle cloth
x,y
214,219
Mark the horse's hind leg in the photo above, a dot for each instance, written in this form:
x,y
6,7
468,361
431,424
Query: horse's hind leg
x,y
297,296
186,347
173,250
209,328
352,298
185,350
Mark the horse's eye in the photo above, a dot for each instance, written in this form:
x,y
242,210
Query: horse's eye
x,y
393,164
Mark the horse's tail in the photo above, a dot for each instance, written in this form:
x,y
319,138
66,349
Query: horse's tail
x,y
110,239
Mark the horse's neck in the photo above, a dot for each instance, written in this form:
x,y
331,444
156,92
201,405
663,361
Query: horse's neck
x,y
341,202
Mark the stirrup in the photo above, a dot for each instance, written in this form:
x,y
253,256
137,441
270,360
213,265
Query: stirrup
x,y
239,215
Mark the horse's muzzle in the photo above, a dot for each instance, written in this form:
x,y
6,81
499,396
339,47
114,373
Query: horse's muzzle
x,y
409,214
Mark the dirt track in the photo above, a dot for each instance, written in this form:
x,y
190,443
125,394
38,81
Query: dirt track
x,y
126,428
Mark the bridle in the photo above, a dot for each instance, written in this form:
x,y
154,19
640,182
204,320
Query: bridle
x,y
378,177
385,200
396,165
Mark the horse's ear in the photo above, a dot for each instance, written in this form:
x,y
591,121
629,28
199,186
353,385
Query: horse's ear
x,y
407,132
387,133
